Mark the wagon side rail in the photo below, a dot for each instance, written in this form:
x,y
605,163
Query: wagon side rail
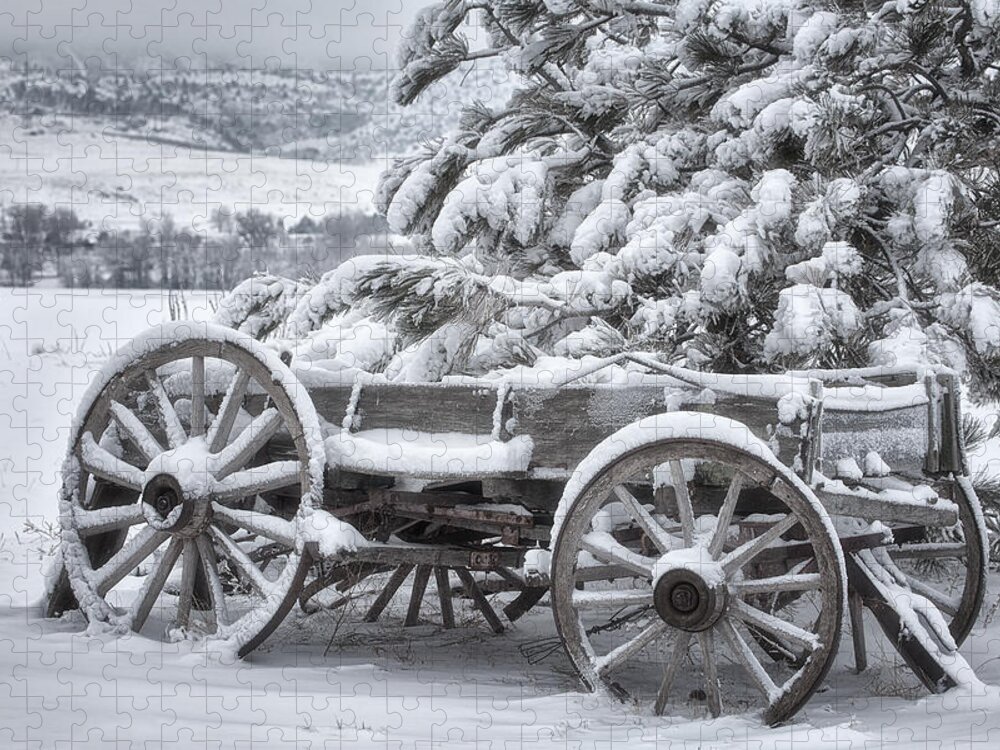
x,y
505,430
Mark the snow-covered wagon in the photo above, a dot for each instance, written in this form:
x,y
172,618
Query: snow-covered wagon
x,y
698,537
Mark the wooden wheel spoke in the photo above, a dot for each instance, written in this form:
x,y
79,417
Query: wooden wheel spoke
x,y
774,625
103,464
776,584
706,640
247,444
748,660
197,396
721,532
222,427
605,548
130,426
621,654
125,560
385,596
189,574
420,579
211,567
443,585
168,415
590,600
659,536
154,583
855,609
235,555
100,520
684,508
670,671
262,524
746,552
473,590
257,479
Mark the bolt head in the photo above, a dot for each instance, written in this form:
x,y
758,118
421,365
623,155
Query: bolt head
x,y
165,502
684,597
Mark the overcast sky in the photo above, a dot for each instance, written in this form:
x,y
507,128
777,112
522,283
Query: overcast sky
x,y
337,34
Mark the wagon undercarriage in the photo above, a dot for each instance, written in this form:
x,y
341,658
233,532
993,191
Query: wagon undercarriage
x,y
699,538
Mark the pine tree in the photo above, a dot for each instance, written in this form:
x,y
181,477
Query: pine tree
x,y
738,185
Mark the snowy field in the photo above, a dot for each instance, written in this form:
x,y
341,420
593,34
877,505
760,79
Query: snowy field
x,y
375,685
116,180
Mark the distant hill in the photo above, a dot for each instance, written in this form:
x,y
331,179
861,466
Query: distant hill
x,y
342,115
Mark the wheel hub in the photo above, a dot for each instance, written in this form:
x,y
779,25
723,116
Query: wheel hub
x,y
167,507
689,591
175,497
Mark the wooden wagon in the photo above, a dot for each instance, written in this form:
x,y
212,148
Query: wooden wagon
x,y
695,535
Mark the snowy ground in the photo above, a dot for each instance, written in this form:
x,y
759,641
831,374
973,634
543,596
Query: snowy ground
x,y
379,685
115,180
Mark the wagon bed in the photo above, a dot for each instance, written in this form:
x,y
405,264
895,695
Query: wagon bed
x,y
533,434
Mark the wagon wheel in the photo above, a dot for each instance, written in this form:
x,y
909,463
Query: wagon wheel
x,y
948,566
154,479
353,582
418,592
655,597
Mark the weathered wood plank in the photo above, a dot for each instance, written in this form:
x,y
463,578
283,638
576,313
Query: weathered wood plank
x,y
452,557
932,457
566,423
411,406
887,376
871,507
898,436
537,494
385,596
855,606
